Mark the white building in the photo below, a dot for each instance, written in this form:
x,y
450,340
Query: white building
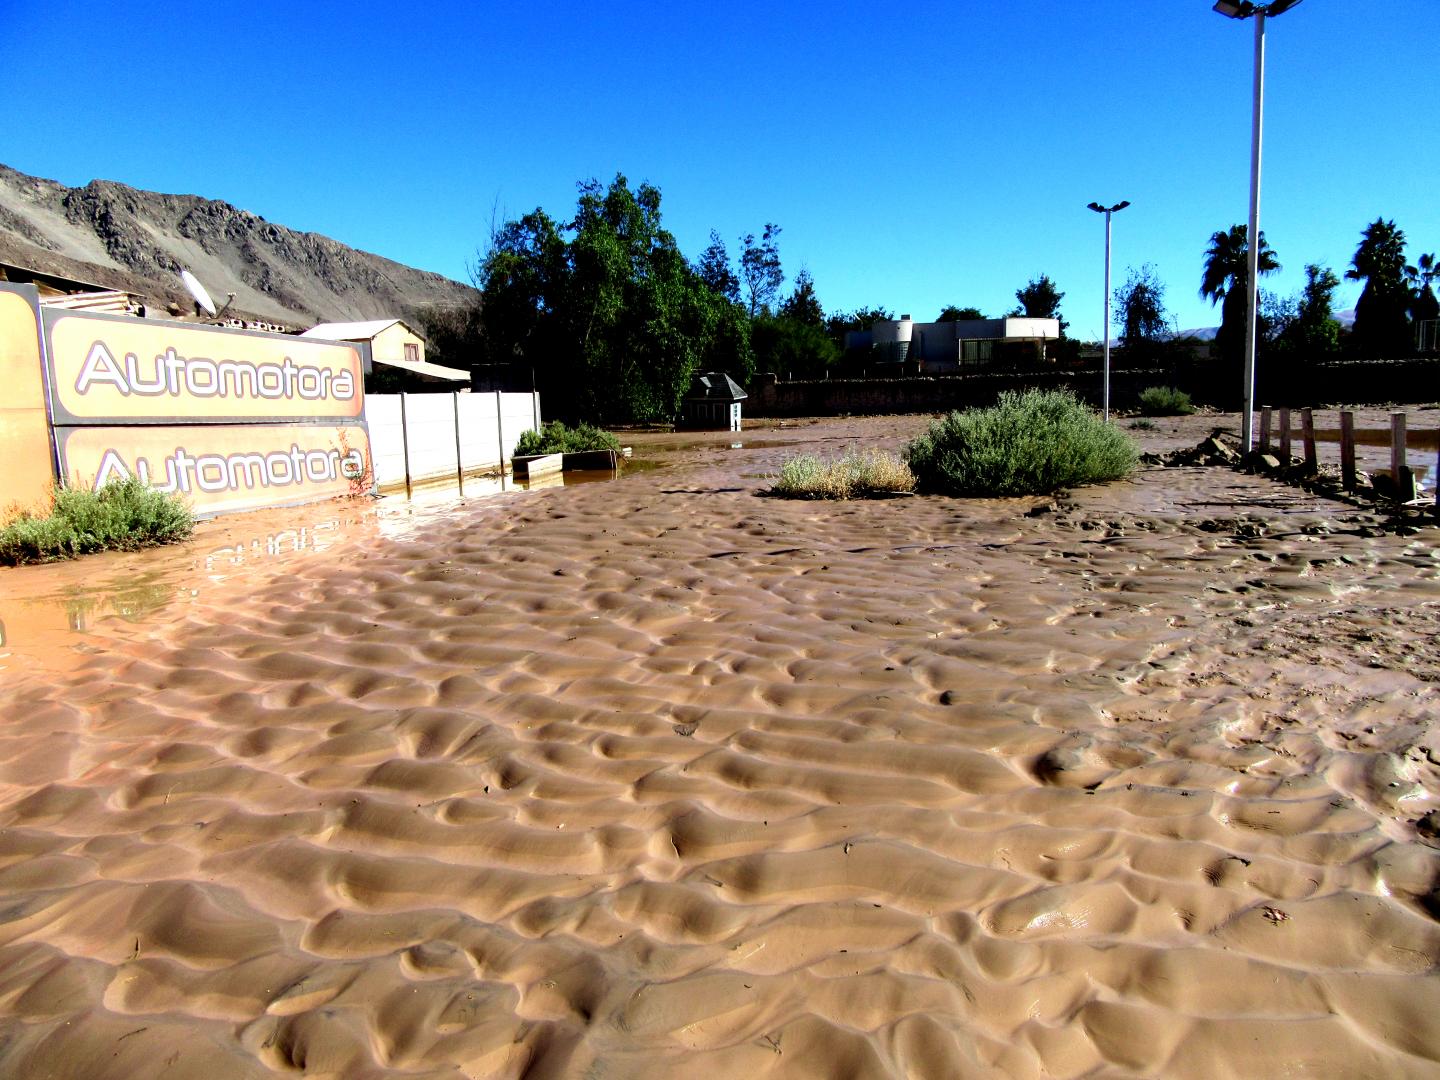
x,y
941,347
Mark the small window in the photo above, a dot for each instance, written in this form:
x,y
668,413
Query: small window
x,y
412,353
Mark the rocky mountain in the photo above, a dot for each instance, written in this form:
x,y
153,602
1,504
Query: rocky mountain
x,y
138,241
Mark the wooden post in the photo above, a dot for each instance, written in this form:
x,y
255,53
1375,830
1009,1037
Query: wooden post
x,y
1307,429
1400,473
405,444
459,462
1347,449
1264,429
1285,437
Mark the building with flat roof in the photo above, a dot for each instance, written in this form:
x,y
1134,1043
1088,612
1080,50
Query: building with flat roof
x,y
941,347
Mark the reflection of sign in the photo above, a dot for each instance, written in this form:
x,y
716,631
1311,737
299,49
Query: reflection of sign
x,y
122,370
223,467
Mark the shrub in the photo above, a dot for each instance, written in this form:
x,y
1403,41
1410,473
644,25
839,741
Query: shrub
x,y
1165,401
857,474
556,438
1028,444
1142,425
121,516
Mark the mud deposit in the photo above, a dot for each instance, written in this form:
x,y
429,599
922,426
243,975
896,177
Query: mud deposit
x,y
660,778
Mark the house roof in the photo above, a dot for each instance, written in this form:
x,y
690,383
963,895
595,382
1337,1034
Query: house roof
x,y
353,331
714,386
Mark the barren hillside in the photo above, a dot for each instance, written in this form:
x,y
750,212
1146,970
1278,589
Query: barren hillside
x,y
125,238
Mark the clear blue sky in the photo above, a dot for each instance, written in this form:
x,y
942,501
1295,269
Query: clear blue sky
x,y
939,153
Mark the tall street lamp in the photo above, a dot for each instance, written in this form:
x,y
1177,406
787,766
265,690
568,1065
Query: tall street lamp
x,y
1107,211
1245,9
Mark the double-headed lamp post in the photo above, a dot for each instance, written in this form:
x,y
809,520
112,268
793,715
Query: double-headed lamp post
x,y
1107,211
1245,9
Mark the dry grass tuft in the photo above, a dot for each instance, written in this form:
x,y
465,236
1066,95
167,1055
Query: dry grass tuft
x,y
858,474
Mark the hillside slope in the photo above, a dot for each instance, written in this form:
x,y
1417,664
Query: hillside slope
x,y
126,238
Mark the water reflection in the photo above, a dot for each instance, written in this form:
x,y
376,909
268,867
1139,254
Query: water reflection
x,y
49,612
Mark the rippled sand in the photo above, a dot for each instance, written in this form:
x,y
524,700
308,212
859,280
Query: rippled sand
x,y
659,778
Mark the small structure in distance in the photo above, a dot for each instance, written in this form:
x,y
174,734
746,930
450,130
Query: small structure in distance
x,y
712,403
941,347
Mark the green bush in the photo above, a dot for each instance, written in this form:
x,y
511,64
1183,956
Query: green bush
x,y
856,475
556,438
1028,444
121,516
1165,401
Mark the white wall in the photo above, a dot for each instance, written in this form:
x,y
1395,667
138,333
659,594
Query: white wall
x,y
489,427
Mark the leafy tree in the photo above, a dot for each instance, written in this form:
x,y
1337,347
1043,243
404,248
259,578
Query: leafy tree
x,y
1226,278
802,305
760,269
1423,303
614,320
1140,312
791,346
1040,299
1315,330
1382,326
714,269
843,322
951,313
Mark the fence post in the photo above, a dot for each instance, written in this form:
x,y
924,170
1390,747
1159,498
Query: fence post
x,y
459,461
1400,474
1285,437
500,432
1264,429
405,444
1307,428
1347,449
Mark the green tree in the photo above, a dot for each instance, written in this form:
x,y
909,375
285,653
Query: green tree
x,y
951,313
1040,299
1140,312
790,346
714,270
1423,304
1226,278
760,269
1382,326
802,304
1315,332
843,322
613,320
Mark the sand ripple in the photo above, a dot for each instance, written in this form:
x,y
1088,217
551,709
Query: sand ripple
x,y
658,778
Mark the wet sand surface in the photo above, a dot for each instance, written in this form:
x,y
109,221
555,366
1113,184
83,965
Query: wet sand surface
x,y
660,778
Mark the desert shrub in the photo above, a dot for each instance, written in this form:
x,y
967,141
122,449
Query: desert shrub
x,y
556,438
1142,425
857,474
123,515
1027,444
1165,401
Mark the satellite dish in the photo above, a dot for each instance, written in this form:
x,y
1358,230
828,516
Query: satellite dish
x,y
196,290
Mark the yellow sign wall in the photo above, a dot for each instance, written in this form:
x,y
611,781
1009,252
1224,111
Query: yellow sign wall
x,y
221,468
119,370
29,465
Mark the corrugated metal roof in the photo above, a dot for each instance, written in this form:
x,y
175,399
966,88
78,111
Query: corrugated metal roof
x,y
350,331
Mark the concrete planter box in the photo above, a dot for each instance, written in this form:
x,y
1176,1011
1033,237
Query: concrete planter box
x,y
537,465
543,464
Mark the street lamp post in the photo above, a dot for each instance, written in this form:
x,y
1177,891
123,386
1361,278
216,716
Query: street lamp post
x,y
1107,211
1245,9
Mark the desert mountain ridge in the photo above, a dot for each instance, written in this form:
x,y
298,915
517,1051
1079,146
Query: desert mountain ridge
x,y
138,241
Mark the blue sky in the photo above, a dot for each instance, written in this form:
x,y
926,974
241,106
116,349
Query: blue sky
x,y
942,153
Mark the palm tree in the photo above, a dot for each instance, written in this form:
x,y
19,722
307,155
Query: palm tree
x,y
1424,307
1226,278
1382,326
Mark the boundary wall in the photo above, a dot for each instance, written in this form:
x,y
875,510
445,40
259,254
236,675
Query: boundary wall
x,y
431,438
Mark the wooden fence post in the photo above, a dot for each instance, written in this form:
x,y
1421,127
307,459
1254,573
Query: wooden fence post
x,y
1285,437
1347,449
1400,474
1264,429
1307,428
